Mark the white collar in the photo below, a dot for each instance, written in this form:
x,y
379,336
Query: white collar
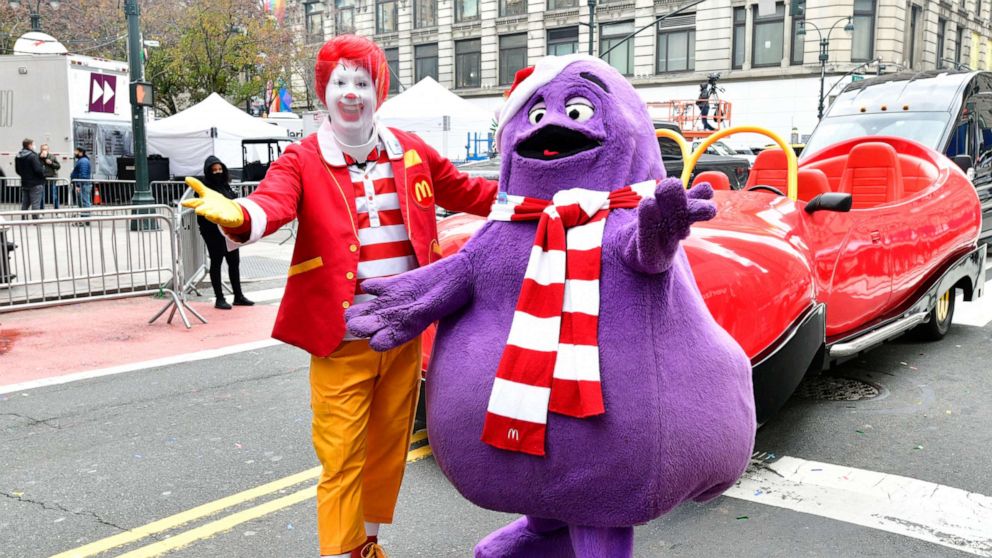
x,y
331,151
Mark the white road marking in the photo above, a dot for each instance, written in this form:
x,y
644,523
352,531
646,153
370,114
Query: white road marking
x,y
913,508
155,363
977,313
265,295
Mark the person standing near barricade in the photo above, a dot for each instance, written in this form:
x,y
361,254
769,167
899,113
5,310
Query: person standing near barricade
x,y
364,198
50,164
215,177
84,190
29,168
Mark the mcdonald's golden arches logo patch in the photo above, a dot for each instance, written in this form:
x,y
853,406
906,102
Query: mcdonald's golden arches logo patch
x,y
423,191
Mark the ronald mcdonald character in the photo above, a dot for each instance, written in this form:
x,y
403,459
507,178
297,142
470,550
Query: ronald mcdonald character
x,y
364,196
578,377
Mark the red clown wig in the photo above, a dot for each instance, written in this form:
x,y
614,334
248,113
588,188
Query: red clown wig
x,y
357,49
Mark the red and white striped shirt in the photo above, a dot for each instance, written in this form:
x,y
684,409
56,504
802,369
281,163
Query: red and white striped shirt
x,y
385,247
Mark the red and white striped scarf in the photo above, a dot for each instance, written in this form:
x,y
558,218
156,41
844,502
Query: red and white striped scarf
x,y
551,359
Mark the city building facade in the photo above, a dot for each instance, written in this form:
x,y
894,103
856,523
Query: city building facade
x,y
474,47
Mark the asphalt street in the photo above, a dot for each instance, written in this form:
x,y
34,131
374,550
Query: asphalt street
x,y
111,456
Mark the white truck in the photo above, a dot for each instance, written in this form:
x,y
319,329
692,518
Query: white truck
x,y
65,100
291,122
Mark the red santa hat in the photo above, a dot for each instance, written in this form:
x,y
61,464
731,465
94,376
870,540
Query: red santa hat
x,y
358,49
529,80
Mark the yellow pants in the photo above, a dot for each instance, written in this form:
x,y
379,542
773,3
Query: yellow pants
x,y
363,408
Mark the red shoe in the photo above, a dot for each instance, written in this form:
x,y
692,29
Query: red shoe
x,y
369,549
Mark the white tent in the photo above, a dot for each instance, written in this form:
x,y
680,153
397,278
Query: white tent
x,y
210,127
423,108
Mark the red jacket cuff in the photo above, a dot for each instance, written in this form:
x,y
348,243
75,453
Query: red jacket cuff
x,y
241,233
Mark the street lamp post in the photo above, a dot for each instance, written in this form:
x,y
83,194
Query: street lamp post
x,y
142,189
35,11
824,51
592,24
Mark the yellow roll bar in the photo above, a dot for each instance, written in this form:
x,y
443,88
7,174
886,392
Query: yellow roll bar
x,y
792,176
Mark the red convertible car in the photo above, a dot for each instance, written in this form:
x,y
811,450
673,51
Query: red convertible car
x,y
810,265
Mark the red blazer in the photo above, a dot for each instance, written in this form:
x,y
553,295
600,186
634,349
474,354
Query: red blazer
x,y
310,182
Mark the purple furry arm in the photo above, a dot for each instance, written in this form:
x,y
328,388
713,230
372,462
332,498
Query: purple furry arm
x,y
649,243
408,303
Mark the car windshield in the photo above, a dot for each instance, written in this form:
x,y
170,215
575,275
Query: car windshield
x,y
718,148
923,127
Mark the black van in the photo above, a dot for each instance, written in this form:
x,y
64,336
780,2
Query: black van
x,y
950,111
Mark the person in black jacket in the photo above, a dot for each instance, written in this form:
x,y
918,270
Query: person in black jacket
x,y
29,168
50,164
216,178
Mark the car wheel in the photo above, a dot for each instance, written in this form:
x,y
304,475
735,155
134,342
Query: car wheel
x,y
939,321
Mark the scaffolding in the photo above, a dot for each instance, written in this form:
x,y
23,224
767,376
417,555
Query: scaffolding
x,y
687,114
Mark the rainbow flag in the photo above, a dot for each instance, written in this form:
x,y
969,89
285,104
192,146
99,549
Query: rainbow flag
x,y
275,7
283,102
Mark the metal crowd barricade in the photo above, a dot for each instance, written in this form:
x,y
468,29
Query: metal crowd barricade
x,y
66,257
55,188
192,251
10,194
168,192
107,192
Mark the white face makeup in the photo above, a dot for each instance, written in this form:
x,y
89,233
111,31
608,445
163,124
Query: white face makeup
x,y
351,101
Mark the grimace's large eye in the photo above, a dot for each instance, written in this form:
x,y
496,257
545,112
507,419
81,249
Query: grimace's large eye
x,y
536,113
579,109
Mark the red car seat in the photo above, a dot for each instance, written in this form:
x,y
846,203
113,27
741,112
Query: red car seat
x,y
812,183
769,169
717,180
917,174
872,175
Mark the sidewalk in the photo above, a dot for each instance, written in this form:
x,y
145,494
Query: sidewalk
x,y
56,341
47,342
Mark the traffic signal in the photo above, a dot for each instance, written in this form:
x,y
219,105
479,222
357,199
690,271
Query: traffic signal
x,y
797,8
142,94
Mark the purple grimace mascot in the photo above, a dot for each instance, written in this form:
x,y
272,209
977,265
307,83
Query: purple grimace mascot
x,y
579,378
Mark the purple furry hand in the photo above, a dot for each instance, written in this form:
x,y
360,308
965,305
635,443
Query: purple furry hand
x,y
664,221
406,304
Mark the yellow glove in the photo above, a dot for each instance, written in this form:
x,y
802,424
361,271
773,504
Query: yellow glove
x,y
214,207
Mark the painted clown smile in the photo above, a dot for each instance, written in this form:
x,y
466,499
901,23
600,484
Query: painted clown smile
x,y
555,142
350,112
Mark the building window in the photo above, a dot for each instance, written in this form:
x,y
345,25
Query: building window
x,y
978,9
768,36
676,44
915,30
468,63
425,61
512,7
512,56
424,13
863,37
344,16
385,16
466,10
959,46
740,20
563,41
797,49
314,22
621,57
941,39
562,4
393,62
